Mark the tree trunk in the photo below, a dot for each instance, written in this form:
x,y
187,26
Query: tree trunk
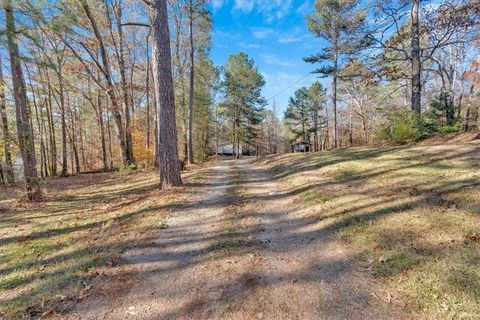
x,y
8,172
64,172
117,117
51,129
334,88
415,57
37,118
162,65
72,135
102,131
315,135
155,128
22,110
238,139
350,129
81,138
191,93
148,121
126,99
110,151
2,180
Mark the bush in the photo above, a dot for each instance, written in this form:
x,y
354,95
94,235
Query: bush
x,y
456,127
131,167
403,127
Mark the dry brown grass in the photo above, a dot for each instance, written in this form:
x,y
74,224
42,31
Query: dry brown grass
x,y
411,214
52,252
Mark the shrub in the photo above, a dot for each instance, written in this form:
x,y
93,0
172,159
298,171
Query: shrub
x,y
403,127
456,127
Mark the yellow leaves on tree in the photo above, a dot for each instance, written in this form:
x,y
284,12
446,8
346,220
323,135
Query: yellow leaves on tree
x,y
143,156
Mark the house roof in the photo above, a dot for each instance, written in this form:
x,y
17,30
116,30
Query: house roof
x,y
300,143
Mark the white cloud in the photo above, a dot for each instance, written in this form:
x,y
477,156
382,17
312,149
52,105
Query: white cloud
x,y
217,4
274,59
250,45
244,5
295,35
286,38
261,33
305,8
271,9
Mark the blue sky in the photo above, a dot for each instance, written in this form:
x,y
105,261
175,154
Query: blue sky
x,y
274,34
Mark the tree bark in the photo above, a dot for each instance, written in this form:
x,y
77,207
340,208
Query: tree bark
x,y
8,172
162,65
415,57
51,129
315,135
192,89
61,94
22,110
334,88
148,121
39,126
123,78
102,131
2,180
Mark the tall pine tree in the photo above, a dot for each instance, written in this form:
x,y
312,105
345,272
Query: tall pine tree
x,y
339,23
243,103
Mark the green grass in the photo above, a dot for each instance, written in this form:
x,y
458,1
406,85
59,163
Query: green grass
x,y
230,241
345,174
55,248
313,197
405,212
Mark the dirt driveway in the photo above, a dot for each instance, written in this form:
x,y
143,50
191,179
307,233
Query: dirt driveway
x,y
240,251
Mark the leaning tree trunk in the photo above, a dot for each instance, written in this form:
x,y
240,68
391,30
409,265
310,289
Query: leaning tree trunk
x,y
415,57
162,65
22,110
8,172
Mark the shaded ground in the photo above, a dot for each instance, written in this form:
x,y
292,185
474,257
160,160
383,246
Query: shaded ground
x,y
52,253
411,215
241,252
387,233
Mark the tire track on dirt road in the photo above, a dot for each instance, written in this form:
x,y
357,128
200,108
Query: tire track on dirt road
x,y
242,250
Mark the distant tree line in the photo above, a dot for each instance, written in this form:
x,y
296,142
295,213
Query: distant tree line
x,y
400,70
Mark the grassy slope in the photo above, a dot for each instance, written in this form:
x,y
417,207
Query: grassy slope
x,y
50,253
406,212
412,215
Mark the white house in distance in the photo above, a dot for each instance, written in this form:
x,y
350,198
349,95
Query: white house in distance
x,y
300,147
226,149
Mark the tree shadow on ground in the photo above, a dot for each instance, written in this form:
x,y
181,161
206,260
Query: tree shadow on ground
x,y
306,231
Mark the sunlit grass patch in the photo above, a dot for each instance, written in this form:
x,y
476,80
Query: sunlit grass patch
x,y
344,174
55,248
313,196
413,221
